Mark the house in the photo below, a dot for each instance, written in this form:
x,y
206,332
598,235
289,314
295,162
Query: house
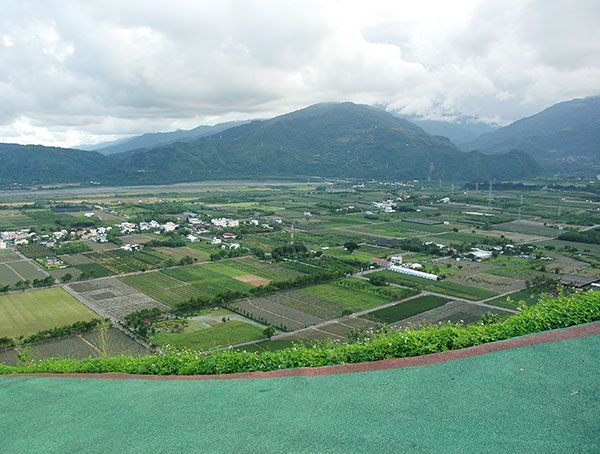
x,y
89,215
229,236
52,261
396,259
169,226
380,262
225,222
192,239
2,244
480,254
215,240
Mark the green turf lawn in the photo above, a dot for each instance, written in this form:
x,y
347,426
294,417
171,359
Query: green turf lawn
x,y
407,309
28,312
222,335
445,287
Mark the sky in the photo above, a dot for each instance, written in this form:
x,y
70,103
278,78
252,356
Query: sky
x,y
82,72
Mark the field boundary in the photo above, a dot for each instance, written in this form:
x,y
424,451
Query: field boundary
x,y
579,331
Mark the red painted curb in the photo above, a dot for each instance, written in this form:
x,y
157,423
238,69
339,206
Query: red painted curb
x,y
396,363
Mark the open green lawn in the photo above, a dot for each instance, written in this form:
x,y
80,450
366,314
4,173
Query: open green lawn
x,y
407,309
224,334
445,287
28,312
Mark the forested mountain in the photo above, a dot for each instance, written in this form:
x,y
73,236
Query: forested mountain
x,y
563,138
328,140
155,139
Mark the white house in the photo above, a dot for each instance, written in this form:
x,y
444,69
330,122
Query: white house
x,y
169,226
396,259
2,244
89,215
192,239
216,240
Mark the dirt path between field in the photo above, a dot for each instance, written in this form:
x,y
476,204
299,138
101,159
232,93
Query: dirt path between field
x,y
14,271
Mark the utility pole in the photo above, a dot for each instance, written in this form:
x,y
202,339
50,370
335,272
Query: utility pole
x,y
292,234
476,187
519,213
490,196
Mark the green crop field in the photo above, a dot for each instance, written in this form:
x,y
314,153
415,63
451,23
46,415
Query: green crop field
x,y
515,299
445,287
11,273
359,295
222,335
27,313
163,287
98,270
407,309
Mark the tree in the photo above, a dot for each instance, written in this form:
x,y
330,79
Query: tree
x,y
66,278
269,331
351,246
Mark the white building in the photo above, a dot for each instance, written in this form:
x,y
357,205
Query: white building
x,y
2,244
480,253
225,222
396,259
169,227
192,239
216,240
89,215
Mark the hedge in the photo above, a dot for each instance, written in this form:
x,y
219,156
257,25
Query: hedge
x,y
548,314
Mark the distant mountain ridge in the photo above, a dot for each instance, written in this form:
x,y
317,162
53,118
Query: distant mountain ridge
x,y
460,131
327,140
154,139
563,138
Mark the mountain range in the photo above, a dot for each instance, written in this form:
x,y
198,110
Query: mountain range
x,y
154,139
326,140
564,138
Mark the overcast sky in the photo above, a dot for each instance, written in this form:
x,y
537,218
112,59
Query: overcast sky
x,y
82,72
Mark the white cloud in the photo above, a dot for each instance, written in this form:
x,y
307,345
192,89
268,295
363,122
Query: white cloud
x,y
86,71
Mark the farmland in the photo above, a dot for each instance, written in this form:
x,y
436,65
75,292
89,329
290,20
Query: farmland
x,y
407,309
25,313
445,287
334,234
224,334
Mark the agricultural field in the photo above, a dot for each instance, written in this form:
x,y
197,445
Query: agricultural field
x,y
221,335
514,300
445,287
120,261
12,272
406,309
113,297
93,270
453,311
295,309
79,347
26,313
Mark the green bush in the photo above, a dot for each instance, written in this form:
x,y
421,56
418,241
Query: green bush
x,y
546,315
